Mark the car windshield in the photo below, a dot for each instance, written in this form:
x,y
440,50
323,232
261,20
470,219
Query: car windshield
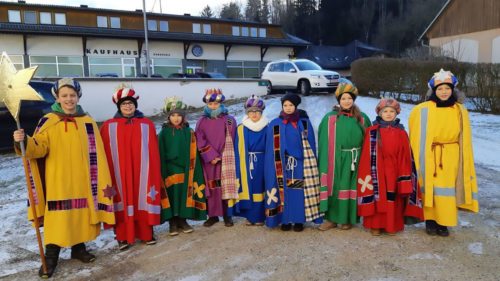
x,y
307,65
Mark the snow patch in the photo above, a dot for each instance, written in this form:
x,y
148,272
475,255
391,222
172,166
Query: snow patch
x,y
476,248
253,275
425,256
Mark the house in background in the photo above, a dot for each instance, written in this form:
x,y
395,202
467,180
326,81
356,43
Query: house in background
x,y
339,58
468,31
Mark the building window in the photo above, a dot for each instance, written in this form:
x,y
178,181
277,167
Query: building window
x,y
30,17
50,66
243,69
244,31
102,21
262,32
196,28
115,22
45,18
121,67
236,31
253,31
17,61
207,29
60,18
14,16
165,67
152,25
163,25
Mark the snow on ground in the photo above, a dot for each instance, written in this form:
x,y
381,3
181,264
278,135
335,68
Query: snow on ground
x,y
18,246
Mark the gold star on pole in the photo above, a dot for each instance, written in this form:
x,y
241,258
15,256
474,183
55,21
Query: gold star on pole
x,y
14,85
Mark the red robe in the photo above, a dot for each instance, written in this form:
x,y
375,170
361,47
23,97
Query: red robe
x,y
387,187
134,162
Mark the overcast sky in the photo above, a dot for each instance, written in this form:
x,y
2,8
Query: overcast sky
x,y
177,7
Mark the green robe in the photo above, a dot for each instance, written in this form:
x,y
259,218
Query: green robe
x,y
340,141
184,182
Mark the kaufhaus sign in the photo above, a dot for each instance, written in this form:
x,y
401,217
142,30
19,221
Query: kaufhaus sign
x,y
113,52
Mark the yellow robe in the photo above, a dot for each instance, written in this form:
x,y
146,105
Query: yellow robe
x,y
441,142
71,203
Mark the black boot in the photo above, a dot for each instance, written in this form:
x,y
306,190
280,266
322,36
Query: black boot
x,y
442,231
182,224
211,221
79,252
51,258
286,226
298,227
228,221
431,227
173,226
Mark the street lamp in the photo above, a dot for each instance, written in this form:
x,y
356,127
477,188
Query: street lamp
x,y
148,71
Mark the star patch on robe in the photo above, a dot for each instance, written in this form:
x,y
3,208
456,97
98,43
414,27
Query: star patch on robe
x,y
109,192
198,189
365,183
152,194
272,196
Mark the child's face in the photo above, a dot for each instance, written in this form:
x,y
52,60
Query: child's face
x,y
254,115
388,114
213,105
443,92
288,107
346,101
175,119
127,108
68,98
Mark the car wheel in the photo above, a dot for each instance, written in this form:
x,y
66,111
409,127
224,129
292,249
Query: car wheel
x,y
304,87
269,88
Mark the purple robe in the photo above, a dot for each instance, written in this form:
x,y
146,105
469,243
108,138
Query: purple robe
x,y
210,139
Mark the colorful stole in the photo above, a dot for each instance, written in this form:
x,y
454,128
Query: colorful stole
x,y
245,190
278,166
228,170
311,179
194,188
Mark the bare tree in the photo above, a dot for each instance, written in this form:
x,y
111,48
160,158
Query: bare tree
x,y
265,14
253,10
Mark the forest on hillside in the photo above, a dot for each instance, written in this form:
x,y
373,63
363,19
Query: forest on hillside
x,y
394,25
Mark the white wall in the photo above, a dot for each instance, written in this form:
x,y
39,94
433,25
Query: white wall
x,y
12,44
54,46
210,52
244,53
165,49
277,53
464,50
96,98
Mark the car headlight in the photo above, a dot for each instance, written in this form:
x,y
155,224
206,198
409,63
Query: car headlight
x,y
316,76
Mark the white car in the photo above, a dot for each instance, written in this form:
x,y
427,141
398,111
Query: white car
x,y
302,75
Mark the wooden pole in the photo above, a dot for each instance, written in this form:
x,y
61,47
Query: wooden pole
x,y
32,202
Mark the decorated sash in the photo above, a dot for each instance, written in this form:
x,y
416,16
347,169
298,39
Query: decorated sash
x,y
311,179
278,166
228,170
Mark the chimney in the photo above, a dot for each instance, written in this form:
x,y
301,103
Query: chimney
x,y
84,6
21,2
187,15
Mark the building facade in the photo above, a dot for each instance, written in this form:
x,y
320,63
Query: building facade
x,y
468,31
91,42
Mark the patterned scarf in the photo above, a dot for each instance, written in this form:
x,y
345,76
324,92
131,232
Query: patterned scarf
x,y
311,179
228,171
207,112
290,118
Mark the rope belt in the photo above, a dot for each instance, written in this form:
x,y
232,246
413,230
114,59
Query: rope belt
x,y
252,157
291,164
354,153
433,148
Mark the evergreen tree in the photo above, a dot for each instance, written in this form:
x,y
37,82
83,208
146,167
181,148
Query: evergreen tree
x,y
207,12
231,11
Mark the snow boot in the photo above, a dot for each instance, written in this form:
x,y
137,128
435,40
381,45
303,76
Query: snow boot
x,y
79,252
51,259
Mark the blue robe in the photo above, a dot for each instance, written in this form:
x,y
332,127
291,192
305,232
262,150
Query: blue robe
x,y
291,154
250,170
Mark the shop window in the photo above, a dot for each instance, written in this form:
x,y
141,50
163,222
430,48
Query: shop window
x,y
60,18
196,28
165,67
17,61
115,22
106,66
236,31
163,25
30,17
58,66
102,21
14,16
243,69
152,25
45,18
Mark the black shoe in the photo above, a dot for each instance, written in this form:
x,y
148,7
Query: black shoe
x,y
431,227
286,227
79,252
211,221
173,229
151,242
228,221
182,224
123,245
298,227
442,231
51,259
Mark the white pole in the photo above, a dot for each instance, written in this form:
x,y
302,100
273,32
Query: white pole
x,y
148,71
